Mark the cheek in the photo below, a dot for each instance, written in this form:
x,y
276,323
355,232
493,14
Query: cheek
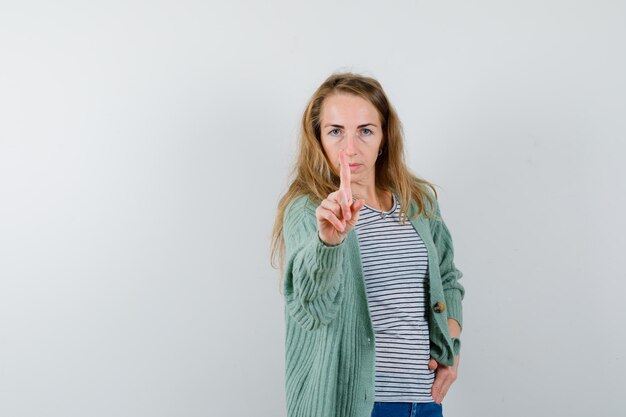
x,y
327,147
331,154
373,151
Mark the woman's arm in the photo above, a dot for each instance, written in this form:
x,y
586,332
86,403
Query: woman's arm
x,y
315,252
454,328
313,270
453,294
453,290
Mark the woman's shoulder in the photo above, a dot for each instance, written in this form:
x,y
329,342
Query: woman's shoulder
x,y
427,205
299,219
299,207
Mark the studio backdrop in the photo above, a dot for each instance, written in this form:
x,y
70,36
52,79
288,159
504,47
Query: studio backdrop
x,y
144,146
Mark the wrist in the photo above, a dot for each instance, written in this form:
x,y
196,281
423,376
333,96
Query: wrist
x,y
329,244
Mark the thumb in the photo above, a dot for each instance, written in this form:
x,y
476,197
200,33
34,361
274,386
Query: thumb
x,y
357,206
355,209
432,364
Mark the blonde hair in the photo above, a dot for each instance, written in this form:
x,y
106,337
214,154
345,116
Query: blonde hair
x,y
313,174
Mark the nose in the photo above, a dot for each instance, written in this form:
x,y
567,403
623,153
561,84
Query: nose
x,y
350,149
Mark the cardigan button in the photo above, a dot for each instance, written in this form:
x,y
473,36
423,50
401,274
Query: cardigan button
x,y
439,307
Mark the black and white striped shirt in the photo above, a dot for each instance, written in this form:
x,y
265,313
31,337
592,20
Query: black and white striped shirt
x,y
395,267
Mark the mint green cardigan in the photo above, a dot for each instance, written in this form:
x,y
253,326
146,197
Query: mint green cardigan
x,y
329,341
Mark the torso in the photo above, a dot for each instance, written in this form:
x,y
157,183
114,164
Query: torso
x,y
395,271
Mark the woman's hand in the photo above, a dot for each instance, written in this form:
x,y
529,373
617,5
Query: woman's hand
x,y
444,377
337,214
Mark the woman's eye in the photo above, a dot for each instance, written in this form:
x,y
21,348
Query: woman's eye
x,y
366,132
335,132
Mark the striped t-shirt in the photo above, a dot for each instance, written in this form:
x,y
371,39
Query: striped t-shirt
x,y
395,267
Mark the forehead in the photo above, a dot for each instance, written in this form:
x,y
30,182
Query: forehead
x,y
347,107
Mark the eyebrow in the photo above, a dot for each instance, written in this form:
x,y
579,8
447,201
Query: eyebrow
x,y
359,126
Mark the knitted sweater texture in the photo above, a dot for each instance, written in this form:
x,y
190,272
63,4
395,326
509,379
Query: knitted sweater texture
x,y
329,340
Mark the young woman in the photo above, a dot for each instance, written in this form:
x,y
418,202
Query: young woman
x,y
372,299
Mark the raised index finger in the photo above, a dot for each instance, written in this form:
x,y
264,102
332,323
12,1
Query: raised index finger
x,y
344,176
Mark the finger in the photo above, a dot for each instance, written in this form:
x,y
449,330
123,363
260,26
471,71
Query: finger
x,y
443,380
356,207
332,206
436,390
432,364
332,196
332,219
344,176
445,386
444,390
344,203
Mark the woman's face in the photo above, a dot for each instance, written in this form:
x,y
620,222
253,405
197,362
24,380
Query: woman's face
x,y
351,123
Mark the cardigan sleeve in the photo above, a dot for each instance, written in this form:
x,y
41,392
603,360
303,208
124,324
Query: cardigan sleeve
x,y
453,291
313,271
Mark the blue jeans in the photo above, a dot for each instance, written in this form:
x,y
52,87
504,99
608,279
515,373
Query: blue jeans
x,y
431,409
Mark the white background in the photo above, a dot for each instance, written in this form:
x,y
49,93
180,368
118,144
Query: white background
x,y
144,147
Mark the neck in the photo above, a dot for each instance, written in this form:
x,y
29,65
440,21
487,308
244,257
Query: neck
x,y
373,197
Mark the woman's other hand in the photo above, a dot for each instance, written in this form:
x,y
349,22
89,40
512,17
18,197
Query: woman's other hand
x,y
444,377
337,214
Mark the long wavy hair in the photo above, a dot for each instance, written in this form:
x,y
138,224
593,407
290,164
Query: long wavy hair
x,y
313,174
